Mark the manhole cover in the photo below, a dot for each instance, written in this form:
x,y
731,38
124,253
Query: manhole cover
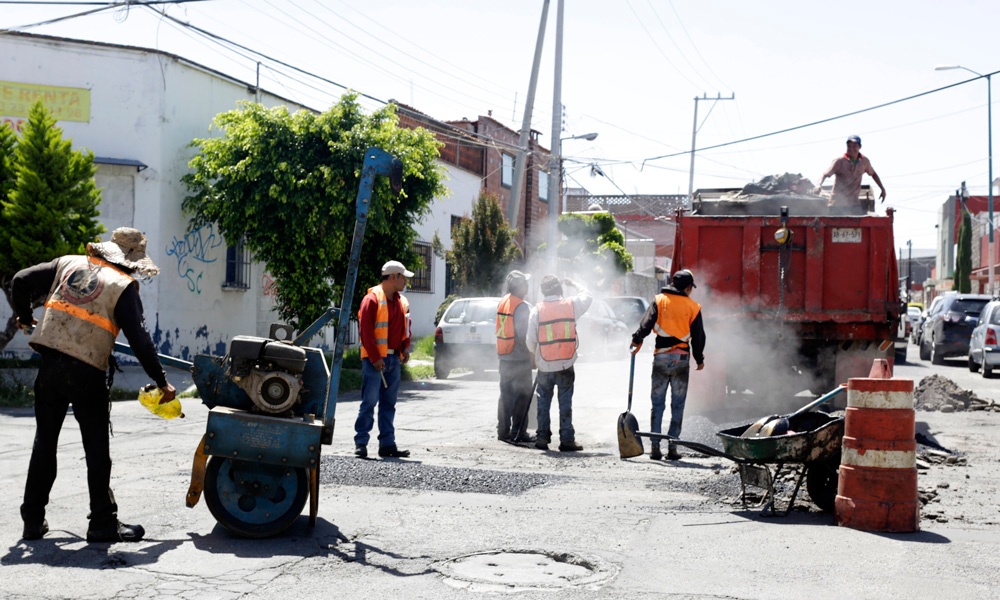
x,y
517,570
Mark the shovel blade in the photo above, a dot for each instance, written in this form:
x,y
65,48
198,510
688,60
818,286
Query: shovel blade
x,y
629,444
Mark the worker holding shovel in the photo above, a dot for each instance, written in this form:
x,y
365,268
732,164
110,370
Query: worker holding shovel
x,y
676,318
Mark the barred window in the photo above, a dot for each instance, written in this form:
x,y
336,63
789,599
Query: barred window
x,y
421,280
237,268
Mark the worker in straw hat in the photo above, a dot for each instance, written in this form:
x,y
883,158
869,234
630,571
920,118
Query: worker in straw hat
x,y
88,300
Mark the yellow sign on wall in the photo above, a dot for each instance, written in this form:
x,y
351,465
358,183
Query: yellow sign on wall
x,y
65,103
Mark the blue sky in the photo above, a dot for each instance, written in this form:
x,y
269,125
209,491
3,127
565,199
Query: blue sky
x,y
631,69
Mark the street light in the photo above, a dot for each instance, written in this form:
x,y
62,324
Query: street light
x,y
555,182
989,137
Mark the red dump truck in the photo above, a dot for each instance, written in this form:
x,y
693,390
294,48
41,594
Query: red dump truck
x,y
793,298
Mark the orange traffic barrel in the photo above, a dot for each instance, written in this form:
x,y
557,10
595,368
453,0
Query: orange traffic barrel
x,y
877,487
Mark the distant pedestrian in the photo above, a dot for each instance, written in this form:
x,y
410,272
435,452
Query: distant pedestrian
x,y
847,172
88,300
384,326
515,360
676,319
552,339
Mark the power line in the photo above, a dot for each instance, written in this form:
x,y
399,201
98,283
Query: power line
x,y
820,122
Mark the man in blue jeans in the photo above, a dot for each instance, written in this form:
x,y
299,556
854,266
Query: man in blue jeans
x,y
676,318
384,327
551,337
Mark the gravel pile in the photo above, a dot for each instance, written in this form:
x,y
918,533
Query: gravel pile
x,y
942,394
341,470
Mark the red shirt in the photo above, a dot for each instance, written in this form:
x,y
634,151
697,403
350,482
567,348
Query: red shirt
x,y
366,324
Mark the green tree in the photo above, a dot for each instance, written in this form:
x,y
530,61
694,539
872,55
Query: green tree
x,y
49,200
963,258
594,249
482,248
287,185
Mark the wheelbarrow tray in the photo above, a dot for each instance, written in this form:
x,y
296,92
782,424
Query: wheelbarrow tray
x,y
818,438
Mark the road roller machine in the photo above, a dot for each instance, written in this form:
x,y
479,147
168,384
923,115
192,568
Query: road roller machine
x,y
272,405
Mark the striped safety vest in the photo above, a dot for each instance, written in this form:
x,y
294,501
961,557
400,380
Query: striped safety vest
x,y
79,319
505,323
556,330
382,321
674,315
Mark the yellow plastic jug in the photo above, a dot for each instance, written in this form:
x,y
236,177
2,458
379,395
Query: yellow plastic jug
x,y
150,395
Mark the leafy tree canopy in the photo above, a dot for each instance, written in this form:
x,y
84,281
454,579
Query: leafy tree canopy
x,y
48,199
482,249
287,184
594,248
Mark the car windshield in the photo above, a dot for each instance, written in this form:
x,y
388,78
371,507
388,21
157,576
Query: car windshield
x,y
472,311
627,308
969,306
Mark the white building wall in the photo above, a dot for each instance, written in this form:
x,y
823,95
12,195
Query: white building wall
x,y
148,107
465,188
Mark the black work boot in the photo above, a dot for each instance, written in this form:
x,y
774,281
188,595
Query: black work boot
x,y
116,532
392,452
570,446
35,531
673,454
655,454
361,451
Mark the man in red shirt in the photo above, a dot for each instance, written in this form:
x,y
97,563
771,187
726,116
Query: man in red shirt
x,y
848,170
384,325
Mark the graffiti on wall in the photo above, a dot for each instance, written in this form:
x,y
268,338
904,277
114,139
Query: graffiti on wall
x,y
268,288
193,252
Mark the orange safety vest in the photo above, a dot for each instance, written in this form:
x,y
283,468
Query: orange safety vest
x,y
674,315
79,319
505,323
556,330
382,321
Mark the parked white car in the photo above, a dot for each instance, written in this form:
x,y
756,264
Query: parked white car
x,y
984,351
466,337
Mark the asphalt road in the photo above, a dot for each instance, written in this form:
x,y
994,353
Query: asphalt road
x,y
469,517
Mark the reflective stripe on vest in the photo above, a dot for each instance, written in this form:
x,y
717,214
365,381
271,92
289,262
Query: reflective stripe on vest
x,y
382,321
86,315
674,315
556,330
505,323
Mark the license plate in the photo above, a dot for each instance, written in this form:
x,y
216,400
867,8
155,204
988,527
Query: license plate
x,y
846,235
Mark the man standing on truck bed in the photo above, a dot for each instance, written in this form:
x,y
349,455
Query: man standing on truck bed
x,y
847,171
676,318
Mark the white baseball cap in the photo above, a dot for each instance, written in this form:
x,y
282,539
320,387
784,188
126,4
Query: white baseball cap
x,y
394,266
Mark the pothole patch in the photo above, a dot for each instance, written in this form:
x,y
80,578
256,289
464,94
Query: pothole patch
x,y
521,570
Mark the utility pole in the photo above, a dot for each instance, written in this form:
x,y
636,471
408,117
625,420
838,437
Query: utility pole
x,y
555,164
694,134
909,270
515,189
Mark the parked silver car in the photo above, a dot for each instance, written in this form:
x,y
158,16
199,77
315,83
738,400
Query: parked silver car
x,y
984,352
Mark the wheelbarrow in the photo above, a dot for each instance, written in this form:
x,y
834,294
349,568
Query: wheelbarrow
x,y
811,450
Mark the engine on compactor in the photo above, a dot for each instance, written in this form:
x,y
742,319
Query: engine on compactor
x,y
268,370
